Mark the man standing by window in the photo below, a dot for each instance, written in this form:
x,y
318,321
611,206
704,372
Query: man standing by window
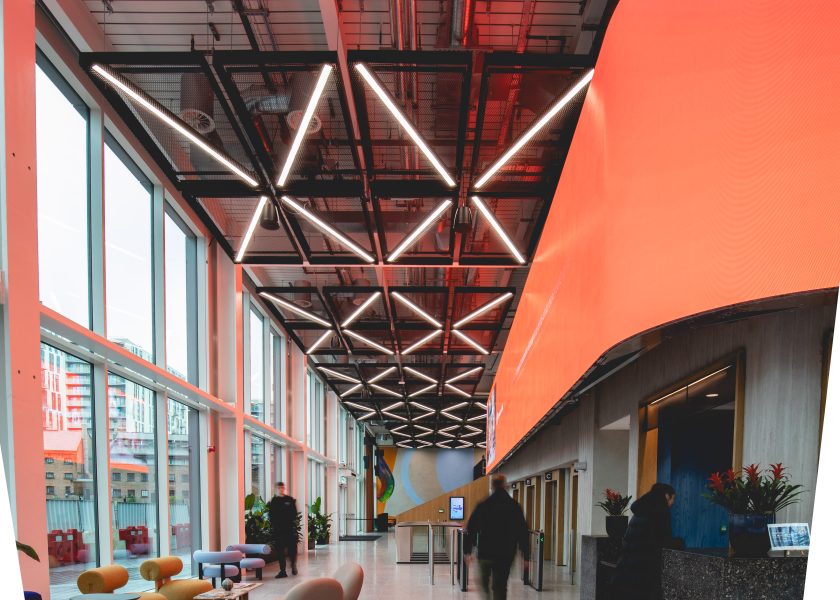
x,y
498,526
282,514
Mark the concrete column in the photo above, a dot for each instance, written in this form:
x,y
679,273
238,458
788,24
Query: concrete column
x,y
21,369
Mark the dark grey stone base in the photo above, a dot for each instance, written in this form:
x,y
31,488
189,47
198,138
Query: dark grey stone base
x,y
703,575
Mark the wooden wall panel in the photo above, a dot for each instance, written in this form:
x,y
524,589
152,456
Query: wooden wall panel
x,y
473,493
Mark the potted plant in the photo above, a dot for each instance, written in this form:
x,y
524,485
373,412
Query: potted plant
x,y
319,523
615,505
752,498
257,524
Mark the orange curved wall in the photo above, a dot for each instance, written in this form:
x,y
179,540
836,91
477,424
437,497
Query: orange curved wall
x,y
705,171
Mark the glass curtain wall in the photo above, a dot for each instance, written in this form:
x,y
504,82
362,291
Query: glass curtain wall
x,y
180,290
184,483
315,414
128,254
69,469
258,466
62,177
134,498
257,365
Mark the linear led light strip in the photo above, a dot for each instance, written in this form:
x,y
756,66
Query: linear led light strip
x,y
446,433
393,416
384,390
424,429
422,406
174,122
419,375
338,375
456,406
303,126
319,341
385,98
367,416
482,444
423,416
477,418
353,389
329,230
424,442
361,309
443,444
483,309
457,390
463,375
422,341
468,340
534,129
370,343
424,434
481,405
685,387
450,416
412,237
400,428
404,444
382,374
482,208
471,428
450,428
464,444
417,310
252,226
472,433
295,309
420,392
357,406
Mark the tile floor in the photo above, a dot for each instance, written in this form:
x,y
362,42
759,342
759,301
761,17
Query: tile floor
x,y
386,579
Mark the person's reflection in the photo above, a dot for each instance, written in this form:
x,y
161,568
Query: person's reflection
x,y
639,571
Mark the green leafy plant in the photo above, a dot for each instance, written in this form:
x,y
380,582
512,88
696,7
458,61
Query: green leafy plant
x,y
28,551
614,504
319,523
257,524
752,491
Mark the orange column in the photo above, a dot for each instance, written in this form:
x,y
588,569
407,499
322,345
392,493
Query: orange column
x,y
22,306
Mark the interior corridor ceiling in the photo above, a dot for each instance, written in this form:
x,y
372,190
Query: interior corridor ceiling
x,y
400,249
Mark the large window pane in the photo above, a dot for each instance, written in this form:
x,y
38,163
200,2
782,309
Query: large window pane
x,y
184,485
69,469
179,271
62,177
128,257
257,365
131,435
257,466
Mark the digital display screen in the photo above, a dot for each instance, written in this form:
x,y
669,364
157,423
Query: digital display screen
x,y
456,508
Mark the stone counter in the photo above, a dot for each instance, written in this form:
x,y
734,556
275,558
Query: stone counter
x,y
598,555
706,574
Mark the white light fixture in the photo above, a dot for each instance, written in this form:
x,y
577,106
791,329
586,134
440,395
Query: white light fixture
x,y
384,390
456,406
464,375
404,444
422,341
483,309
497,227
450,428
303,126
400,428
361,309
367,416
457,390
420,392
352,390
249,233
329,230
469,341
450,416
472,433
445,433
400,433
424,434
412,237
712,395
164,115
393,406
464,444
319,341
423,416
338,375
421,428
481,405
533,130
419,375
393,416
357,406
425,444
416,309
685,387
482,445
370,343
471,428
477,418
382,374
295,309
385,98
443,445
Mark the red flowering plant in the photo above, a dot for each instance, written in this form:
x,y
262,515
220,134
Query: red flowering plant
x,y
614,503
751,491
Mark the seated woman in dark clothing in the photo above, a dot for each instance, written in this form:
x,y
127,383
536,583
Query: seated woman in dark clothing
x,y
639,570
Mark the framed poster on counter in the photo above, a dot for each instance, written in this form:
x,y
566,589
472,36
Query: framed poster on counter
x,y
789,536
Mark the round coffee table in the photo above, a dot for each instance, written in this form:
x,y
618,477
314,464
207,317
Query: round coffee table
x,y
115,596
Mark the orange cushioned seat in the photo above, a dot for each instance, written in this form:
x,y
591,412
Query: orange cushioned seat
x,y
106,580
161,570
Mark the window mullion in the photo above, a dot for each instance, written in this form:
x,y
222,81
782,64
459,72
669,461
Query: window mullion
x,y
99,387
96,166
162,470
158,279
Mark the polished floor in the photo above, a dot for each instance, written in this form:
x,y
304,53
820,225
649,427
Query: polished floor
x,y
386,579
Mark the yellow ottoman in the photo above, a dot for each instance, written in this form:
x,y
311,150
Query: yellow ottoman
x,y
185,589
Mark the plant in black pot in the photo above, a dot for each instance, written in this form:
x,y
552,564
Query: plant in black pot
x,y
257,525
319,523
752,497
615,505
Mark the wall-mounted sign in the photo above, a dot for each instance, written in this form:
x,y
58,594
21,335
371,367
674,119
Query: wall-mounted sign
x,y
548,476
456,508
528,481
514,485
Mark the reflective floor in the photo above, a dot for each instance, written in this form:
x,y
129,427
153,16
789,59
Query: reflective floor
x,y
386,579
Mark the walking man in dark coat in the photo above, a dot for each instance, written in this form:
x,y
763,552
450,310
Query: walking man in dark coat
x,y
282,513
498,526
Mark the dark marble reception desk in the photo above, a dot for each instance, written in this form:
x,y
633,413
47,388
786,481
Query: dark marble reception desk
x,y
598,557
706,574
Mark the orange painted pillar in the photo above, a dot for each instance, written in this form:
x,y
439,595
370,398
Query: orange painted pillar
x,y
22,318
